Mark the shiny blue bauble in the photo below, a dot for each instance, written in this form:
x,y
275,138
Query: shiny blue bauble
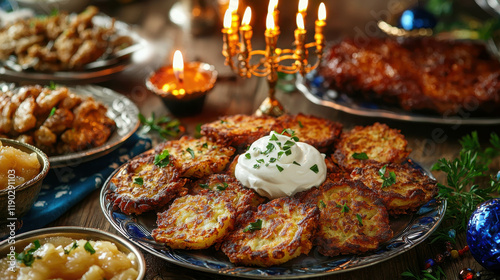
x,y
417,18
483,234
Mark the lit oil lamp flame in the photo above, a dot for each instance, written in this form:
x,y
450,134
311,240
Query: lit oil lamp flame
x,y
322,11
302,6
270,22
273,5
178,66
233,6
300,21
247,16
227,19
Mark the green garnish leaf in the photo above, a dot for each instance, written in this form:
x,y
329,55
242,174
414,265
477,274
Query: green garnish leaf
x,y
300,124
75,245
296,163
190,152
205,145
205,186
223,187
314,168
288,144
253,226
52,112
248,156
273,138
223,121
260,160
26,257
162,159
322,204
269,148
88,247
166,127
139,181
280,154
52,85
359,156
288,152
271,160
279,168
388,181
360,220
345,208
256,166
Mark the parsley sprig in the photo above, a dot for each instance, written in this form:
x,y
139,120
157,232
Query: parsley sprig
x,y
166,126
253,226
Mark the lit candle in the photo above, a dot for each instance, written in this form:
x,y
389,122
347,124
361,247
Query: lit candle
x,y
300,38
178,66
235,19
227,31
273,8
246,31
303,8
319,26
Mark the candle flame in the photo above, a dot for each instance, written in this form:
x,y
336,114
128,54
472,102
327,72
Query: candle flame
x,y
246,16
273,5
270,21
300,21
302,6
178,66
322,11
233,6
227,19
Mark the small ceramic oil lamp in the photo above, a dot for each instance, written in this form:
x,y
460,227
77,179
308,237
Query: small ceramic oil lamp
x,y
183,86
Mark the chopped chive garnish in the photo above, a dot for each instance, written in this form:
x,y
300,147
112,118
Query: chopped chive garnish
x,y
256,166
322,204
52,112
273,138
223,187
279,168
288,152
191,152
300,124
296,163
314,168
205,145
345,208
271,160
75,245
205,186
88,247
358,216
359,156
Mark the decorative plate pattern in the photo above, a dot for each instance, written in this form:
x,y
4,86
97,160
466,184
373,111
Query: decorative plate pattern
x,y
409,230
313,87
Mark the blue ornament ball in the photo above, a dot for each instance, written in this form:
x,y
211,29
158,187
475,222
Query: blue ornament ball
x,y
483,234
417,18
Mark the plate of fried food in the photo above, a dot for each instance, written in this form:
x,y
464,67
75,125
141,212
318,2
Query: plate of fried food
x,y
70,124
414,79
262,197
63,47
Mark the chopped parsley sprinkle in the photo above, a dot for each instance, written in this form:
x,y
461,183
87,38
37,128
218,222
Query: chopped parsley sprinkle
x,y
223,187
288,152
191,152
256,166
205,186
27,257
260,160
52,85
322,204
253,226
388,181
273,138
314,168
358,216
280,154
359,156
139,181
248,156
88,247
52,112
75,245
269,148
279,168
271,160
344,207
300,124
162,159
205,145
223,121
288,144
296,163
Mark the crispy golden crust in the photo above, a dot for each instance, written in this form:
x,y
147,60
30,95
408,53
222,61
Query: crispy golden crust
x,y
160,186
411,190
333,171
242,198
318,132
379,142
195,221
197,157
352,219
287,229
238,130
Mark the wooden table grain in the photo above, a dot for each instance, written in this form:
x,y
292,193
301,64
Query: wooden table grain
x,y
232,95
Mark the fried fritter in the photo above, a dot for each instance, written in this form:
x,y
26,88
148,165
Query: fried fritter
x,y
317,132
378,142
352,219
144,186
279,231
333,171
195,221
197,157
238,130
242,198
410,189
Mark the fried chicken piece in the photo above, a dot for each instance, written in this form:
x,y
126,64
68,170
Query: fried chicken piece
x,y
317,132
88,51
197,157
195,221
24,118
277,232
238,130
7,110
409,190
48,99
377,143
143,186
241,198
352,219
61,120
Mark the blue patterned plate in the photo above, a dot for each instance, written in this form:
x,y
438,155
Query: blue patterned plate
x,y
314,88
409,231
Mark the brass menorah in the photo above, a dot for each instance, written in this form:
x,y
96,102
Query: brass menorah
x,y
238,47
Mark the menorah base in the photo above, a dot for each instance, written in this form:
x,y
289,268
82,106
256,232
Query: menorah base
x,y
271,107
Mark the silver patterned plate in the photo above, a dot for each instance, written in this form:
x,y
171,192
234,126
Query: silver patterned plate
x,y
409,231
100,70
120,109
314,88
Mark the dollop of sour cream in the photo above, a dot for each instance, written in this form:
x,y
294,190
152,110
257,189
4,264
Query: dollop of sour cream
x,y
278,165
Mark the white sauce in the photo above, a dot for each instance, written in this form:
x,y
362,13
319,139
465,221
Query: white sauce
x,y
276,166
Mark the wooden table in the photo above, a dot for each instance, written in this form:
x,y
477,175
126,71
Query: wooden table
x,y
233,95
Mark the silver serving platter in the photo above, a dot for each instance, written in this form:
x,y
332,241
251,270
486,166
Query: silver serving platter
x,y
120,109
317,92
100,70
409,231
22,240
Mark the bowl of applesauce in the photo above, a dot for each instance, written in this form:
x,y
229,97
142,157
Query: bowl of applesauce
x,y
22,170
70,253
